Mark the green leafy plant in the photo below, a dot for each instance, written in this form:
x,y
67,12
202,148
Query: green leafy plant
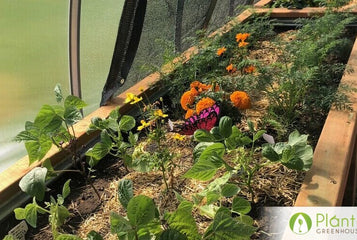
x,y
53,125
55,209
306,76
153,154
209,153
143,220
112,141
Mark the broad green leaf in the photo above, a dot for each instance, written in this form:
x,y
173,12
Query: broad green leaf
x,y
141,210
295,138
240,205
68,237
172,234
208,210
114,114
305,153
214,149
61,213
229,190
72,115
33,183
125,191
216,184
47,120
73,101
236,139
93,235
245,219
58,93
178,196
119,224
224,227
216,134
146,231
25,136
126,123
20,213
183,221
295,163
279,147
258,135
66,190
8,237
59,110
36,150
212,197
105,138
288,154
133,138
31,214
205,168
270,153
99,151
30,126
200,147
225,126
202,135
97,124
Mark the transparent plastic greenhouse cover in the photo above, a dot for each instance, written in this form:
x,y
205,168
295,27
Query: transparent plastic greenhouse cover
x,y
34,47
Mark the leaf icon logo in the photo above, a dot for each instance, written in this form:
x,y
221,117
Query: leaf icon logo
x,y
300,223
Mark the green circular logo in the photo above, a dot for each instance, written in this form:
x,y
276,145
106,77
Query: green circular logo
x,y
300,223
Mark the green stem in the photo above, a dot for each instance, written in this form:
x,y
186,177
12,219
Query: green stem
x,y
163,176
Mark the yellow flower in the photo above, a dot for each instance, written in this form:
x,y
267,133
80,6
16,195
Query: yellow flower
x,y
179,137
221,50
141,89
129,97
143,125
136,100
159,113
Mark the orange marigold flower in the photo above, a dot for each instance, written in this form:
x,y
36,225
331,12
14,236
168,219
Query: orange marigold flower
x,y
188,98
230,68
242,37
249,69
190,112
242,44
204,103
199,87
240,100
221,50
195,84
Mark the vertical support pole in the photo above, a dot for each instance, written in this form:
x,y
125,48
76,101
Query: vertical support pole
x,y
74,34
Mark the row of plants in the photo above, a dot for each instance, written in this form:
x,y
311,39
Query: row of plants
x,y
301,83
309,3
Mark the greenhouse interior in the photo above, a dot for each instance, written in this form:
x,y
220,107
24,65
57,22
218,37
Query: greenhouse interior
x,y
178,120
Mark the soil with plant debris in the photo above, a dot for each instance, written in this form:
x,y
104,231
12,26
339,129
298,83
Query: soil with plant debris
x,y
274,185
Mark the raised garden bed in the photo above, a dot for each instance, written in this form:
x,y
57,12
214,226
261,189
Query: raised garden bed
x,y
324,176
